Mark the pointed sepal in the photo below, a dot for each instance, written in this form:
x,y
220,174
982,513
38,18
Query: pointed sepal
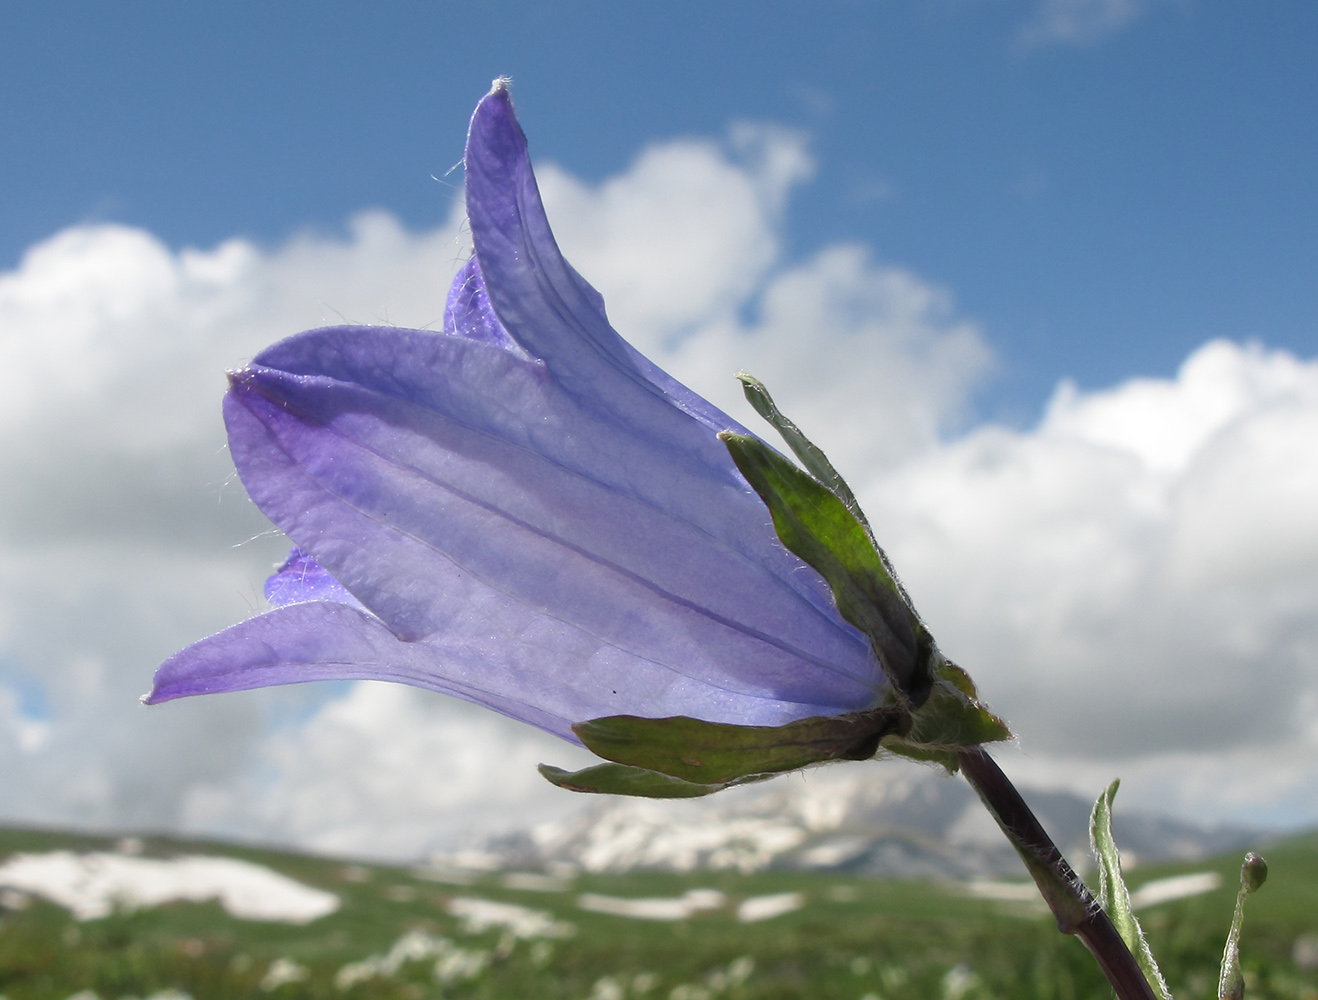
x,y
712,752
815,524
622,779
951,719
809,454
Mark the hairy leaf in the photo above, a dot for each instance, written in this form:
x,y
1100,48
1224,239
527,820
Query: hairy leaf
x,y
1113,895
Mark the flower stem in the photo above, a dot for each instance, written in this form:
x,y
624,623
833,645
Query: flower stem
x,y
1073,905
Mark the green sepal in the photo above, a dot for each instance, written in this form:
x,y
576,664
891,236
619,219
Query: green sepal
x,y
1113,895
714,753
816,463
621,779
951,718
1231,984
814,460
815,524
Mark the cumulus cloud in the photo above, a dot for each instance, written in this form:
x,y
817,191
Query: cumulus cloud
x,y
687,234
1131,579
1135,580
686,248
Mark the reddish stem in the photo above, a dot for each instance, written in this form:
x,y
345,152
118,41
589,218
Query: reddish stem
x,y
1073,905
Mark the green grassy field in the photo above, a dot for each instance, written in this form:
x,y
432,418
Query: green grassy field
x,y
853,938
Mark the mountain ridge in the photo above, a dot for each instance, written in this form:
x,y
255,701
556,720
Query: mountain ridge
x,y
898,820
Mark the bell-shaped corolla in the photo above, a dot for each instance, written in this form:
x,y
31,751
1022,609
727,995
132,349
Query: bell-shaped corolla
x,y
521,510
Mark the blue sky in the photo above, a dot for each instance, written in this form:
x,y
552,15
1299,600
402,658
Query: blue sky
x,y
1038,274
1101,191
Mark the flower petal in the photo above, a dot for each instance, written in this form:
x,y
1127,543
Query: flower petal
x,y
544,304
559,319
317,641
469,314
421,471
302,579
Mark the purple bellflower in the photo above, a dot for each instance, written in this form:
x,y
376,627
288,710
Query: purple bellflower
x,y
524,512
521,511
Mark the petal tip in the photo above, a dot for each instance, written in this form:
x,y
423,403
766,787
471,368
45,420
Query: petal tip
x,y
240,378
495,122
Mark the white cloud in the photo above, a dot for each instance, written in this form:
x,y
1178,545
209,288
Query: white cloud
x,y
1079,22
688,233
387,771
872,361
118,513
1136,579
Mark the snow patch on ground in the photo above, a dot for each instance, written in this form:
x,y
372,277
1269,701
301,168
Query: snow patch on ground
x,y
655,908
1164,890
91,886
479,915
757,908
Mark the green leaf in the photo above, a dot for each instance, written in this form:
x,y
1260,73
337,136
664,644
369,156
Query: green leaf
x,y
816,525
1113,895
620,779
950,719
710,753
1231,985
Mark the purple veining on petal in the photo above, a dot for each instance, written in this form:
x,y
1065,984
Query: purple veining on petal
x,y
408,430
302,579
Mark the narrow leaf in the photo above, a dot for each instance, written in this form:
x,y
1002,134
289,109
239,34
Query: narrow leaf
x,y
711,753
1231,985
816,525
620,779
1113,895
